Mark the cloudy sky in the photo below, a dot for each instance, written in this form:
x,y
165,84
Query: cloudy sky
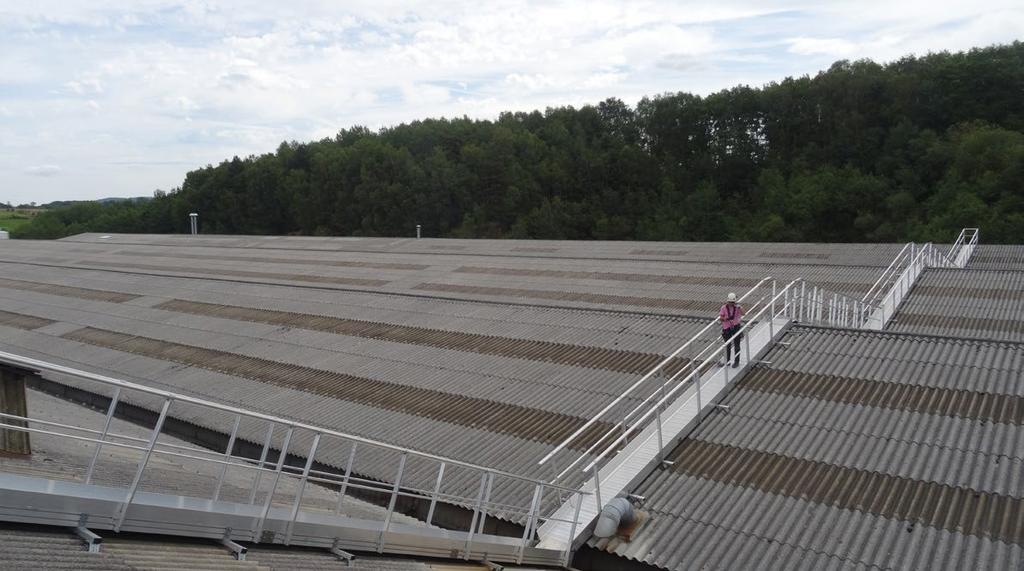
x,y
101,98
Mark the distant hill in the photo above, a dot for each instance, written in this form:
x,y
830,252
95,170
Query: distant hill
x,y
111,200
914,149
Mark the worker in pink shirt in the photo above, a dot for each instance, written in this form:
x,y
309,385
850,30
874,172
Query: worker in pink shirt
x,y
731,316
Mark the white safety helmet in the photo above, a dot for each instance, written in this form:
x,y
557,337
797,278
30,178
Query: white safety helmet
x,y
731,297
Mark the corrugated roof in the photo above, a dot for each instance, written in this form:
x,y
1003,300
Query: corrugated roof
x,y
965,303
997,257
748,252
591,277
491,383
851,450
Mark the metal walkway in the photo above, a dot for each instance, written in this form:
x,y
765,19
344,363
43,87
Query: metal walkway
x,y
278,509
679,391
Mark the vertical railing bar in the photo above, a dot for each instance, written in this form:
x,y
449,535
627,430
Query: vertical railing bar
x,y
302,488
103,436
394,499
123,511
530,518
273,488
227,455
345,480
572,532
803,300
661,440
437,490
476,513
536,515
487,498
257,479
697,380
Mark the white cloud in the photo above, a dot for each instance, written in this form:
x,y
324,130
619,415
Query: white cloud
x,y
173,83
835,47
43,170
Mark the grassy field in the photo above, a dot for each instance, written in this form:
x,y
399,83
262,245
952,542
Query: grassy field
x,y
13,220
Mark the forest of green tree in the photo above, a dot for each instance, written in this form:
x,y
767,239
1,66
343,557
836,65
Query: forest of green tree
x,y
911,150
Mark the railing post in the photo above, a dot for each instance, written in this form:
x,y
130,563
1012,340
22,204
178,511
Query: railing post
x,y
572,533
273,488
815,315
344,482
103,436
661,439
302,488
259,466
227,457
538,491
391,504
803,300
697,380
123,510
437,490
483,506
476,514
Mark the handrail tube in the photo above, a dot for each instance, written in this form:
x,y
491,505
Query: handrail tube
x,y
682,383
40,366
887,270
629,390
307,473
837,296
835,315
709,345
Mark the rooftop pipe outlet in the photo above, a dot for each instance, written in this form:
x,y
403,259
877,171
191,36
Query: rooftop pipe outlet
x,y
614,514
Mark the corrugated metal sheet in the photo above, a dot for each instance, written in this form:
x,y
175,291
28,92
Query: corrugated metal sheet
x,y
828,254
22,321
997,257
853,450
965,303
564,353
453,388
83,293
631,283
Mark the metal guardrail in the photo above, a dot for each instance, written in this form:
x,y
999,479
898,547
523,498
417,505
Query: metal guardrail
x,y
957,257
800,302
796,301
603,413
277,469
908,264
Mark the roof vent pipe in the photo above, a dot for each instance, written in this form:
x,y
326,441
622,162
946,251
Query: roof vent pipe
x,y
417,231
194,222
614,514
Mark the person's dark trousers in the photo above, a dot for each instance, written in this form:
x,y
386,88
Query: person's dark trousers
x,y
731,334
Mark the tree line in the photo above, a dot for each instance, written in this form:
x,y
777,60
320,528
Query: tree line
x,y
910,150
